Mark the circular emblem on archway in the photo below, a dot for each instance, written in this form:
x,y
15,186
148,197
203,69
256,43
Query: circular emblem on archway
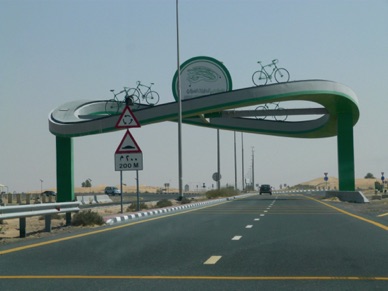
x,y
201,76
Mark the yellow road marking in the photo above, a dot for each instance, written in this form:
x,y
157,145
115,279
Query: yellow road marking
x,y
381,215
351,214
35,245
212,260
246,278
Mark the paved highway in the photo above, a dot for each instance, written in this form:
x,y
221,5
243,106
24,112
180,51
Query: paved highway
x,y
266,242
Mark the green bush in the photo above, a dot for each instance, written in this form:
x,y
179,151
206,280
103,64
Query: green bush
x,y
163,203
133,207
88,217
223,192
185,200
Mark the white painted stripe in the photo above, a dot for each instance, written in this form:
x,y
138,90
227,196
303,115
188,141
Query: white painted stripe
x,y
237,237
265,210
212,260
249,226
261,214
256,219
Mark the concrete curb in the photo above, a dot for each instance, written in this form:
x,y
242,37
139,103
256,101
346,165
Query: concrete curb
x,y
125,217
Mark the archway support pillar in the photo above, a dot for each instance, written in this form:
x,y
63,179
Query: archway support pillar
x,y
345,147
65,169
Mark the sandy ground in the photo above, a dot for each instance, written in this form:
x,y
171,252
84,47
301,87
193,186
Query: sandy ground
x,y
35,226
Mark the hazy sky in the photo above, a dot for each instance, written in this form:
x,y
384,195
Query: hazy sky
x,y
53,52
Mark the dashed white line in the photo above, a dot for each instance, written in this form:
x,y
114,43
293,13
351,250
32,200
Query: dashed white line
x,y
237,237
249,226
212,260
256,219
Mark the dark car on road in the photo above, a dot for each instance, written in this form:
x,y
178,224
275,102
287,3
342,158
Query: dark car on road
x,y
49,193
265,188
110,190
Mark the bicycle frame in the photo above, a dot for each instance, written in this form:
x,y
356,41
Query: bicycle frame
x,y
141,85
269,65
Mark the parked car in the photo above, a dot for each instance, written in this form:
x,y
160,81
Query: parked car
x,y
265,188
110,190
49,193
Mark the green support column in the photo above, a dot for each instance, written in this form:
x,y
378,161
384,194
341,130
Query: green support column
x,y
346,173
65,169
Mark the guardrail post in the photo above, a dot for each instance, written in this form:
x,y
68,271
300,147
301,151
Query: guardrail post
x,y
22,227
68,218
47,220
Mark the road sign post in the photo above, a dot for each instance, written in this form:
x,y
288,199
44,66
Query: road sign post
x,y
326,179
128,155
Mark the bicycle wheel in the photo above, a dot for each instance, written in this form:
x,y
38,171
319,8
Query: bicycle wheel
x,y
280,117
259,78
112,106
135,97
282,75
261,107
152,98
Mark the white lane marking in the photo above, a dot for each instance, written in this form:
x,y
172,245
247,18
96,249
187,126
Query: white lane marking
x,y
249,226
265,210
261,214
381,215
256,219
212,260
237,237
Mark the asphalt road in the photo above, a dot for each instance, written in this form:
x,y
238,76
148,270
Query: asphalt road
x,y
258,243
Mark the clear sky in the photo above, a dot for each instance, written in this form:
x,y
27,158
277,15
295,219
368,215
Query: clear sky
x,y
53,52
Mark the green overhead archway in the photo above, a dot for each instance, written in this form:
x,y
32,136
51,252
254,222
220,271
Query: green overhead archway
x,y
337,113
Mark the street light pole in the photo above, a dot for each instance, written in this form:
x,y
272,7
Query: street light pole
x,y
218,161
235,163
253,169
242,160
179,108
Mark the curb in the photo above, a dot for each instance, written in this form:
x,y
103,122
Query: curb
x,y
126,217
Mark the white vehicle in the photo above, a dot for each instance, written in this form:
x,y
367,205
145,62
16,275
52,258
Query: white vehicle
x,y
110,190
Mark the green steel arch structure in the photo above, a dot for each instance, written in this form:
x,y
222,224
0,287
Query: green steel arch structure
x,y
337,113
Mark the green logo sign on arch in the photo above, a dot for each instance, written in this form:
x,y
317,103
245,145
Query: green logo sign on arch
x,y
201,76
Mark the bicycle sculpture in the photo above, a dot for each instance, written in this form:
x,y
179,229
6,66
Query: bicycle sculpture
x,y
112,106
131,98
261,77
150,97
271,106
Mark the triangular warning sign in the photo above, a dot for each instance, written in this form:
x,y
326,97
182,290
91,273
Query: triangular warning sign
x,y
127,119
128,145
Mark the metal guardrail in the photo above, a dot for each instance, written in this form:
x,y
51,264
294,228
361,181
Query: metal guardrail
x,y
45,209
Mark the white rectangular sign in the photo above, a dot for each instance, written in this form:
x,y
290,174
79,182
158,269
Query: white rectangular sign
x,y
129,161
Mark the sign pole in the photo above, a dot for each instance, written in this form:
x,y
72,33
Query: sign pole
x,y
137,191
121,190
